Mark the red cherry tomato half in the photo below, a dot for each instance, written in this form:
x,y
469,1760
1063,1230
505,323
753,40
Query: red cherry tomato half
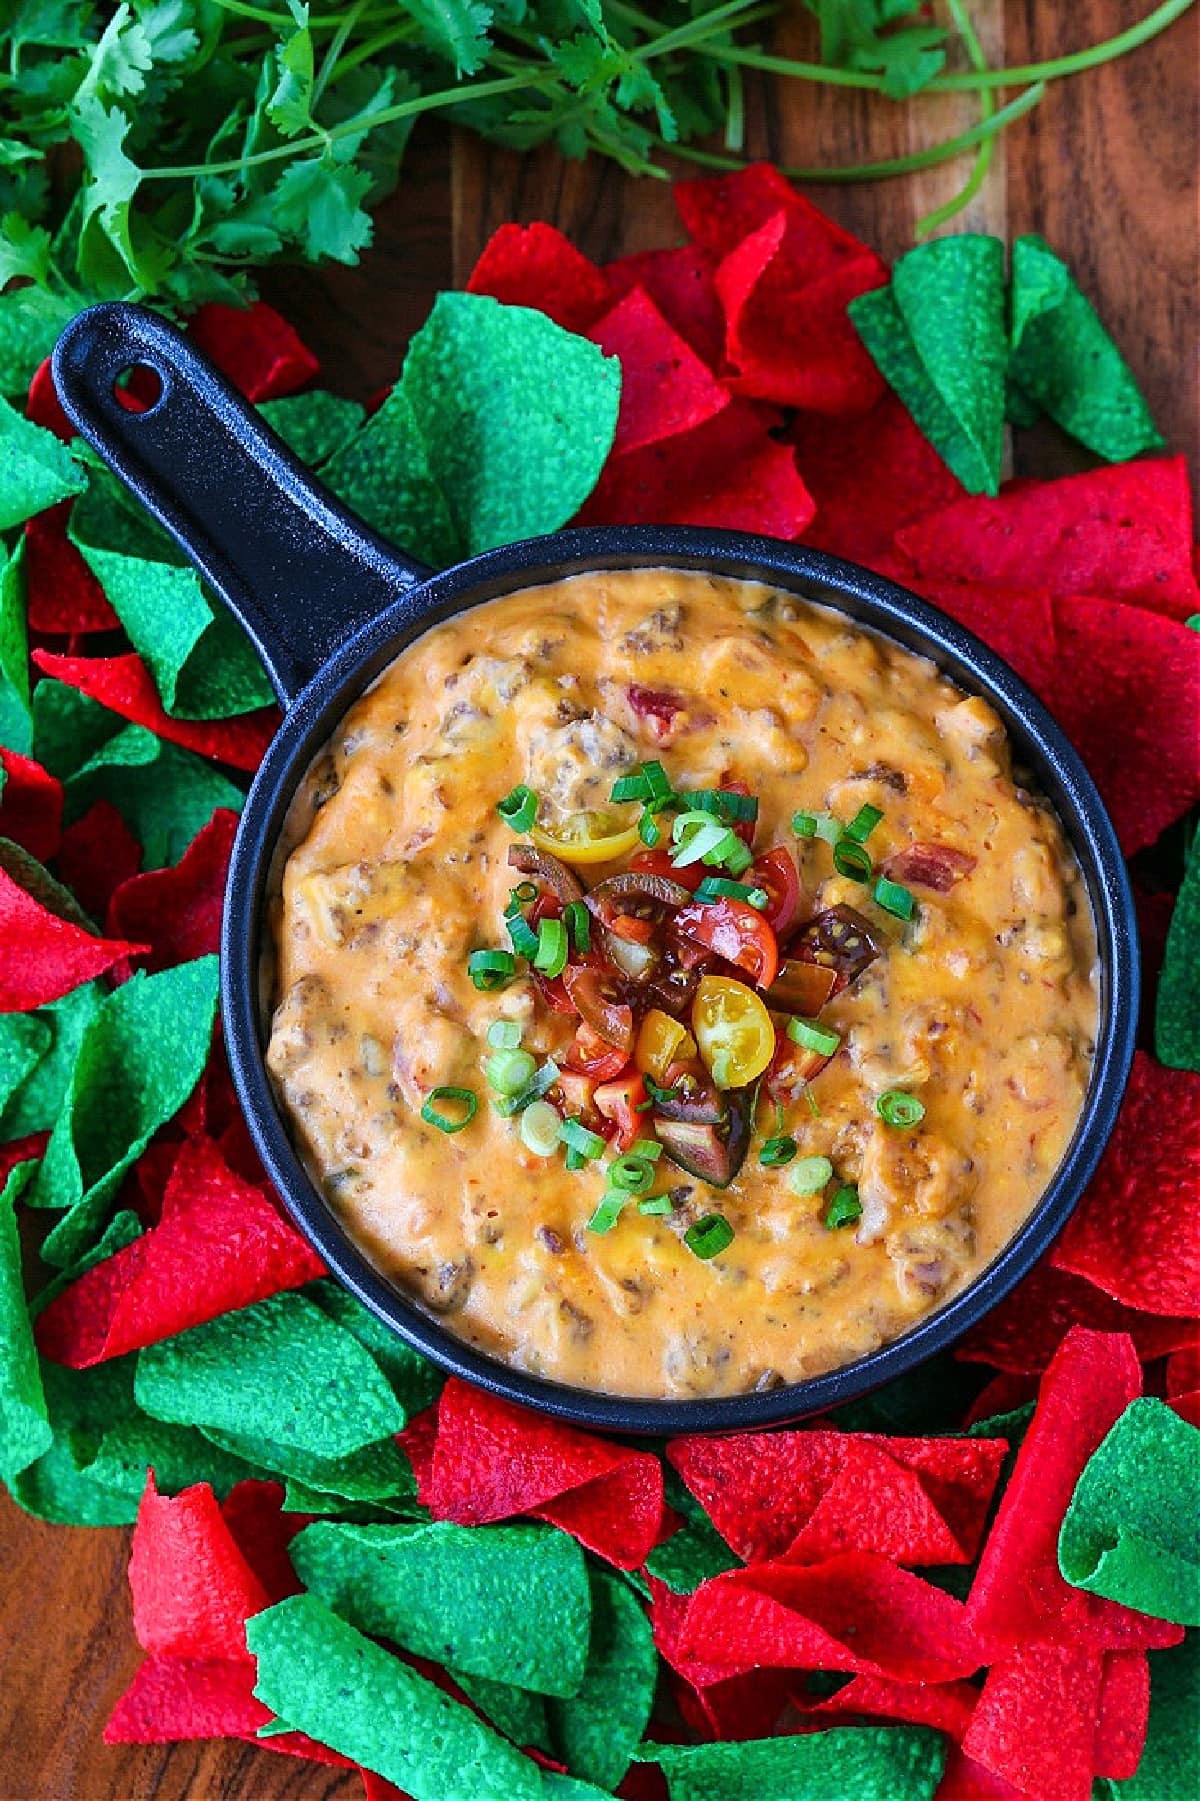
x,y
619,1101
735,932
776,872
591,1055
658,862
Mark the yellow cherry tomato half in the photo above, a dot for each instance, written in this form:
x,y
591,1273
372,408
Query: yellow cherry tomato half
x,y
591,837
660,1042
733,1031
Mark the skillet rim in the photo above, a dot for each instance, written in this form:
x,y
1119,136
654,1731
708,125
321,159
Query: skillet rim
x,y
866,599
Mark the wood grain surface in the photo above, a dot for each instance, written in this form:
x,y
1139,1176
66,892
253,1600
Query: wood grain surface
x,y
1106,168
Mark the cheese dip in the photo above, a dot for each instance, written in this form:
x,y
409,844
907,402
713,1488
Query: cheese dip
x,y
676,990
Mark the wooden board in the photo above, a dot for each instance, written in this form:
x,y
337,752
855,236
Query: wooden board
x,y
1107,169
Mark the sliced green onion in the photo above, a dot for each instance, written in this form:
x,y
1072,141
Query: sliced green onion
x,y
896,1108
844,1208
490,970
777,1151
576,1136
659,791
504,1034
551,954
719,887
852,859
863,824
813,1037
538,1127
510,1072
649,830
828,828
724,802
696,834
894,898
804,825
655,1205
522,935
544,1080
632,1175
630,787
648,1149
579,924
810,1175
446,1122
709,1236
607,1213
520,896
519,809
730,852
810,1099
659,1094
575,1159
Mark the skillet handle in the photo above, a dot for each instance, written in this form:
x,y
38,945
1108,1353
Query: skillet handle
x,y
299,571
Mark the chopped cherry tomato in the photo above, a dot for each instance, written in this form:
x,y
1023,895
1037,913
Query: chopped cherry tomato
x,y
590,837
660,1041
595,1002
792,1069
631,928
657,706
776,872
579,1093
743,828
658,862
619,1101
546,906
590,1055
553,992
736,932
801,987
733,1030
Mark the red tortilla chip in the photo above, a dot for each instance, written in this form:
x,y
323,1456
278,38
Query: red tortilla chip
x,y
45,957
1183,1372
680,283
1017,622
665,388
1018,1594
1124,1714
814,1494
945,1705
1002,1394
125,685
721,211
492,1460
1124,532
262,1532
219,1245
788,336
1035,1724
535,265
21,1150
965,1780
44,407
856,1612
1154,912
188,1697
746,1705
255,347
729,472
1136,1233
64,595
417,1442
1023,1333
193,1591
31,805
178,910
97,853
869,476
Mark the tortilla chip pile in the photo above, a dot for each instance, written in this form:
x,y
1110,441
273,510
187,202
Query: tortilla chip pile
x,y
974,1584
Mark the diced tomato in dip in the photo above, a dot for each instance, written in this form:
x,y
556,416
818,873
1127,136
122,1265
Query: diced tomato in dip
x,y
915,913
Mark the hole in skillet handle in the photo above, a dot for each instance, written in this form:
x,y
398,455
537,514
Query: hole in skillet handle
x,y
139,388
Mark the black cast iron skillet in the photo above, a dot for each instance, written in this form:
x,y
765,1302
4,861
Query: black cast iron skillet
x,y
329,605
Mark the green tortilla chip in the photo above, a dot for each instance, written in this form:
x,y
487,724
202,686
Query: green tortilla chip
x,y
203,664
507,1602
596,1733
164,794
313,425
178,1455
518,1713
378,1473
25,1433
694,1553
139,1058
30,321
36,470
1177,1010
1169,1767
68,727
278,1369
83,1405
870,1763
1063,359
121,1230
497,430
329,1681
36,1104
1019,409
1132,1531
16,710
107,516
24,1041
932,1398
937,336
416,1383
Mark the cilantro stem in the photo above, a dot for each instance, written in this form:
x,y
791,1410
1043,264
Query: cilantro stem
x,y
699,28
896,165
356,127
987,106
